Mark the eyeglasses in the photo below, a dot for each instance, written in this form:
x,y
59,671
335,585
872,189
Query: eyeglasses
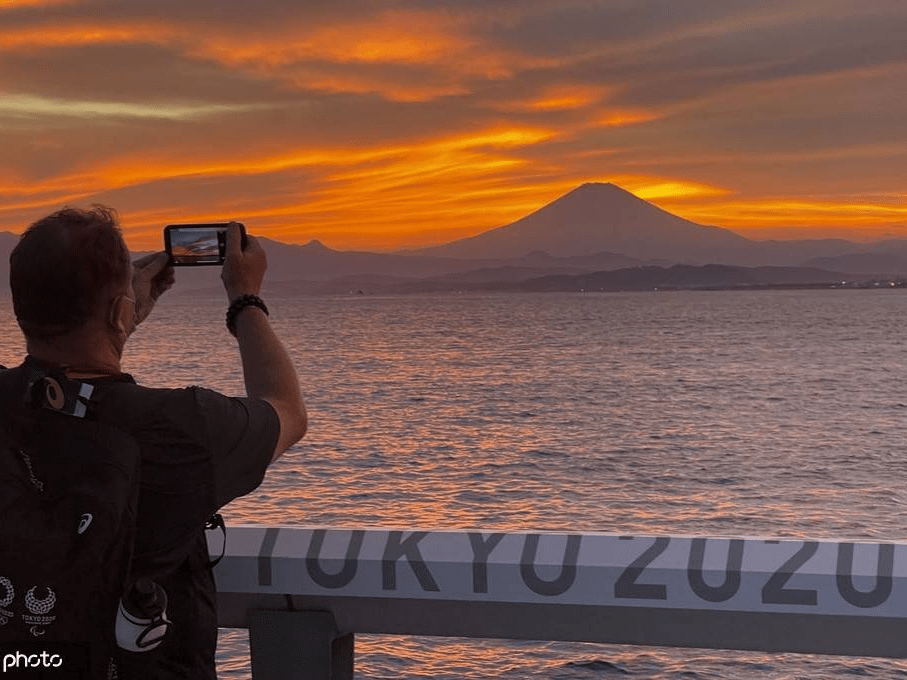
x,y
135,318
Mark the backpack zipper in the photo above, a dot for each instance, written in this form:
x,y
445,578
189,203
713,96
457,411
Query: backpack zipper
x,y
37,483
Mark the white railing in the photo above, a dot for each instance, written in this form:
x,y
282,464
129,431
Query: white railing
x,y
304,592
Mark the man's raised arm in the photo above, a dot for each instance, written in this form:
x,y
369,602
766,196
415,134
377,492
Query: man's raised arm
x,y
267,368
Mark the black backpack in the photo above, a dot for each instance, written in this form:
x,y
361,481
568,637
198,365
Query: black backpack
x,y
68,497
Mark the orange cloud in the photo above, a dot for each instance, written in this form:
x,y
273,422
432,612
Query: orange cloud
x,y
561,97
623,117
346,58
125,171
389,196
652,189
808,212
16,4
393,37
786,218
52,34
328,59
308,78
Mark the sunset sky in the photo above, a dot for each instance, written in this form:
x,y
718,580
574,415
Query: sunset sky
x,y
387,124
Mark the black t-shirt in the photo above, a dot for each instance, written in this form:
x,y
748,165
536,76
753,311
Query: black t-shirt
x,y
200,450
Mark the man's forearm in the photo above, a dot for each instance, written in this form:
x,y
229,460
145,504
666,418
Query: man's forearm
x,y
269,373
267,368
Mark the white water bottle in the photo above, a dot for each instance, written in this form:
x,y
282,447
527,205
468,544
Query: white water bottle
x,y
142,619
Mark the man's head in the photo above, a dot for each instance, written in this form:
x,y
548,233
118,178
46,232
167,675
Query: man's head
x,y
69,268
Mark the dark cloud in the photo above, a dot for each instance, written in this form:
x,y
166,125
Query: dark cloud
x,y
241,16
130,73
567,28
696,67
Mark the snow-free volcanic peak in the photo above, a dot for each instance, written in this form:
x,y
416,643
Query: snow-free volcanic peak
x,y
596,217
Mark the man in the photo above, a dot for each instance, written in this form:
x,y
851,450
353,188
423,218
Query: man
x,y
77,299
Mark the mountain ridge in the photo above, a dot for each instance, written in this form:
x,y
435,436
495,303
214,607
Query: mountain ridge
x,y
626,232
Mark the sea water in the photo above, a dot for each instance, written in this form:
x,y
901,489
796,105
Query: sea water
x,y
760,413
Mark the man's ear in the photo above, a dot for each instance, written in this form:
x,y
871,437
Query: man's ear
x,y
119,306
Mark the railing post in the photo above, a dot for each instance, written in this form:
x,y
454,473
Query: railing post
x,y
299,645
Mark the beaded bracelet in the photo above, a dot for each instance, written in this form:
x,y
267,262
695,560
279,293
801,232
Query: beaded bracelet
x,y
240,304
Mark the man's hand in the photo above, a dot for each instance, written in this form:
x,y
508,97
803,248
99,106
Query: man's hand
x,y
151,276
243,270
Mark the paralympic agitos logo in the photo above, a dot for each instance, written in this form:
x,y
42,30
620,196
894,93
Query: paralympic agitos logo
x,y
39,603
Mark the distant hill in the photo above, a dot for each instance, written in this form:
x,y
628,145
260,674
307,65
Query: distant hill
x,y
686,277
643,278
600,217
886,257
317,264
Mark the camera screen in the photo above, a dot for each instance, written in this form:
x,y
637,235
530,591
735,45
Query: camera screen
x,y
203,244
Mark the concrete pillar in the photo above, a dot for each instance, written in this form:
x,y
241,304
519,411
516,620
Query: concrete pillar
x,y
299,645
